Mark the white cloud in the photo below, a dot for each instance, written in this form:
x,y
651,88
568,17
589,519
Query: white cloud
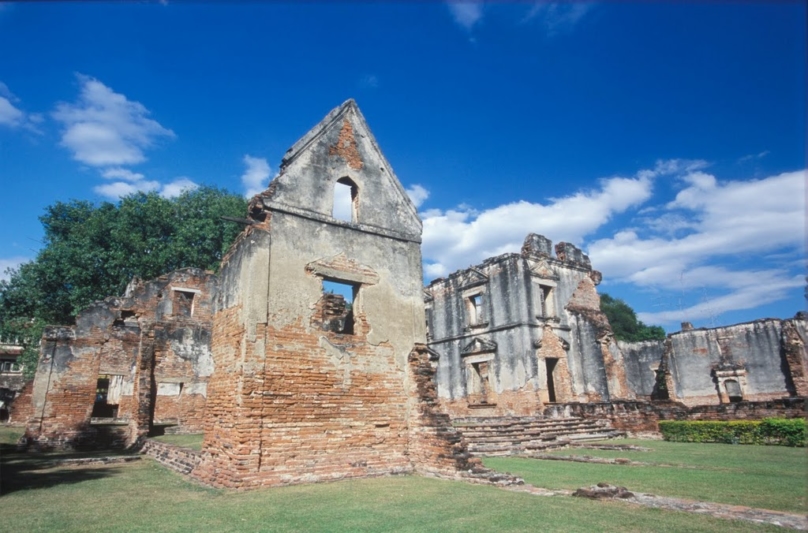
x,y
466,13
749,289
13,117
739,217
122,174
256,176
417,194
10,115
458,237
558,17
119,189
728,224
369,81
7,263
177,187
104,128
751,157
135,183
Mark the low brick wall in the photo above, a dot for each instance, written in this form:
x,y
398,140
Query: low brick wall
x,y
178,459
781,408
639,416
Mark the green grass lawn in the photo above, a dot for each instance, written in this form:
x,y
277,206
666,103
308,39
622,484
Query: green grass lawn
x,y
193,441
767,477
144,496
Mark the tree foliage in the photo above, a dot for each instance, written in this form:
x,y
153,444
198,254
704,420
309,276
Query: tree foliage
x,y
93,251
624,321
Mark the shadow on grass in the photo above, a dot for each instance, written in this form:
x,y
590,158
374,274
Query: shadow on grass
x,y
30,470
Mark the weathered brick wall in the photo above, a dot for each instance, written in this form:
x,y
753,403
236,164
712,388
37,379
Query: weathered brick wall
x,y
177,458
22,408
65,388
137,339
182,367
296,418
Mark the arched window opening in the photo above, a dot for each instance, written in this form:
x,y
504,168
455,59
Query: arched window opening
x,y
345,200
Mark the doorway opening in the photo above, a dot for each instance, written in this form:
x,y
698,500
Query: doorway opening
x,y
551,364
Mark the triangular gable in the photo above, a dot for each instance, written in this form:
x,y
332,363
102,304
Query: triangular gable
x,y
471,277
542,269
479,345
342,146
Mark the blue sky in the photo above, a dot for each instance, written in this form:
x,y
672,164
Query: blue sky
x,y
666,140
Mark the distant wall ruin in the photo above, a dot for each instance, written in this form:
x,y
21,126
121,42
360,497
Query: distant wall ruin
x,y
754,361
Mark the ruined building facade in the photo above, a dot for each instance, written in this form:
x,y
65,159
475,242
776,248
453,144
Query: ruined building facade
x,y
128,364
520,331
317,354
305,389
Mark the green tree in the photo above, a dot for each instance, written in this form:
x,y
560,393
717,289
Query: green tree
x,y
93,251
624,321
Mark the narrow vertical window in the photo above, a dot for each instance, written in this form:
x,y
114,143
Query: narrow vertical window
x,y
474,306
345,199
543,299
546,300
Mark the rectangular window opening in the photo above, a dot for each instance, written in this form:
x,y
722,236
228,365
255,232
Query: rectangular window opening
x,y
475,309
183,303
338,306
102,408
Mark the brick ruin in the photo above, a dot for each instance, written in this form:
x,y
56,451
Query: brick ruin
x,y
333,361
521,331
128,365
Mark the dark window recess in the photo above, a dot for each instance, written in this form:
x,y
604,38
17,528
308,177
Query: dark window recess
x,y
101,409
183,303
338,302
121,322
551,365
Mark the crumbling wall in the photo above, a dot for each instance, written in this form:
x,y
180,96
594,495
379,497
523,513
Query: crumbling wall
x,y
295,398
435,446
642,359
766,359
108,374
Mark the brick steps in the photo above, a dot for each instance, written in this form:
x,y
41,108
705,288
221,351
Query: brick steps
x,y
490,436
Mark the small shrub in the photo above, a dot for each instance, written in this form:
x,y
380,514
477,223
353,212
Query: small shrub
x,y
777,431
